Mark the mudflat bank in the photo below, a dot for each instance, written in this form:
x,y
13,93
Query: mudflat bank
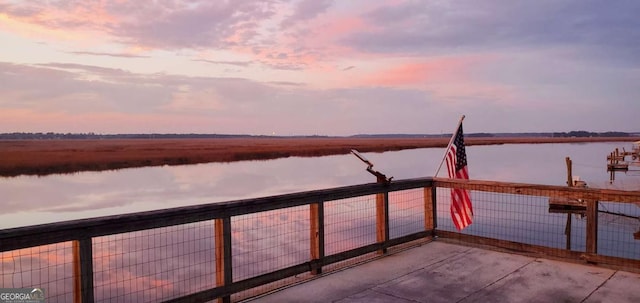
x,y
42,157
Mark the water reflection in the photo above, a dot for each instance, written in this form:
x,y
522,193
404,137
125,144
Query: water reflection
x,y
154,265
29,200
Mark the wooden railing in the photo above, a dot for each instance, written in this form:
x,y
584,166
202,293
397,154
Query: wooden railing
x,y
589,196
82,232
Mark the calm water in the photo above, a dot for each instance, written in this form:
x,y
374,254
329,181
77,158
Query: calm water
x,y
28,200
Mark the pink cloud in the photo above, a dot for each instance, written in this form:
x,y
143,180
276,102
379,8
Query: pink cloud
x,y
306,10
66,22
305,39
444,78
161,25
330,32
425,72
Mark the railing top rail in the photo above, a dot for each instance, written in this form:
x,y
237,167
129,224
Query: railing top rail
x,y
611,195
28,236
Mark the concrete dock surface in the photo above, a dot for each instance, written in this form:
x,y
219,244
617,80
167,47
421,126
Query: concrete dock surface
x,y
444,272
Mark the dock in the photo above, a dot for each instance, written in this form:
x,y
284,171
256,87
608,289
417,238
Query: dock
x,y
444,272
569,205
618,166
617,160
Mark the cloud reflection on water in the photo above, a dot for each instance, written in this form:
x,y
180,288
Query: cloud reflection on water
x,y
29,200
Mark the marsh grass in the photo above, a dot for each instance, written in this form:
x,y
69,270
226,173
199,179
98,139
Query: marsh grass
x,y
43,157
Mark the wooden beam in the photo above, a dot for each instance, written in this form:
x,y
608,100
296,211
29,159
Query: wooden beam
x,y
541,251
228,258
77,272
516,247
428,208
219,251
380,220
592,227
313,231
387,236
630,265
609,195
85,249
314,235
569,172
567,231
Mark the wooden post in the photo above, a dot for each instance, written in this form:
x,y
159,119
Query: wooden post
x,y
613,158
592,227
316,234
219,252
611,168
386,217
612,176
380,224
381,217
428,208
569,172
77,272
220,256
85,252
228,261
313,231
567,231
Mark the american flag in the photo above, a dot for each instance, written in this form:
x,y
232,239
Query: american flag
x,y
461,210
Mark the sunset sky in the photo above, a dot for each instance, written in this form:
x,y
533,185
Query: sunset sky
x,y
318,67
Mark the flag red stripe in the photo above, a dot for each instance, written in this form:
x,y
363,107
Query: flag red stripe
x,y
451,160
461,209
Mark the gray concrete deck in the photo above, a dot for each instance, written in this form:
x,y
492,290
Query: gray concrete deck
x,y
443,272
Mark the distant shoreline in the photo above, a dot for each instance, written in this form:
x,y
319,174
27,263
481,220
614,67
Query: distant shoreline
x,y
44,157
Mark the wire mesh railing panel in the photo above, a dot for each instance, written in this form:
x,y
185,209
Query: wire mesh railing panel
x,y
619,230
269,241
154,265
48,267
406,212
349,223
512,217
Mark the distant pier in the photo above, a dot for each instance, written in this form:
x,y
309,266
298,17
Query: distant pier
x,y
621,160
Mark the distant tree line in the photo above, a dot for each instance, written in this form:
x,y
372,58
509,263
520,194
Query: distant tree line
x,y
581,133
87,136
480,135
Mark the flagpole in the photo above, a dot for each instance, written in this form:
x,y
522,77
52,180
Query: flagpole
x,y
449,145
